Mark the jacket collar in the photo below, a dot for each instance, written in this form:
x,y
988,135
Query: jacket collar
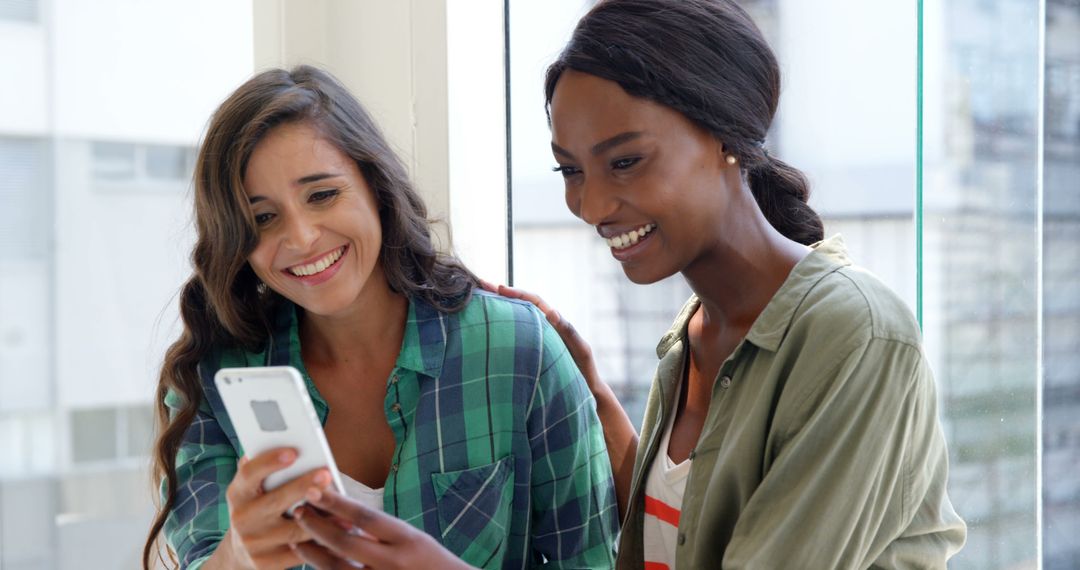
x,y
772,324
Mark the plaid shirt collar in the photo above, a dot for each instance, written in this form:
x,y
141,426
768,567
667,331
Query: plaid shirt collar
x,y
423,346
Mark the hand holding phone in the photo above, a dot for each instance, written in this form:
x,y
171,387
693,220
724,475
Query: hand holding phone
x,y
270,408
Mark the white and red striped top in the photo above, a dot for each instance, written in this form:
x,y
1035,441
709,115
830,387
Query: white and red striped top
x,y
664,488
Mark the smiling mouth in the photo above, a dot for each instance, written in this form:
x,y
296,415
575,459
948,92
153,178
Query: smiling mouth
x,y
630,238
309,269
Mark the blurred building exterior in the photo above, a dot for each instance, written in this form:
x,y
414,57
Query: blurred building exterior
x,y
102,105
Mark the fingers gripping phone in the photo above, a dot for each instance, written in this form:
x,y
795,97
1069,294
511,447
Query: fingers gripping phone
x,y
269,407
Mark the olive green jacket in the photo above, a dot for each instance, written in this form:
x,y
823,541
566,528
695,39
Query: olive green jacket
x,y
822,447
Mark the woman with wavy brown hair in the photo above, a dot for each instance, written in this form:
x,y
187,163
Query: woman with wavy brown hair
x,y
462,429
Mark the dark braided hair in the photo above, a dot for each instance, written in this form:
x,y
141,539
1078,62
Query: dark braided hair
x,y
707,60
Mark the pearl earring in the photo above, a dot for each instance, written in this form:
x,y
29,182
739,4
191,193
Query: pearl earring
x,y
731,160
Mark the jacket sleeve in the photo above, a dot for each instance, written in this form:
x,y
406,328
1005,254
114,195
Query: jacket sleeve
x,y
205,465
575,517
856,475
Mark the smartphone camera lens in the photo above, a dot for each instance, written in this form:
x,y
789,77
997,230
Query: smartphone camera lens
x,y
227,381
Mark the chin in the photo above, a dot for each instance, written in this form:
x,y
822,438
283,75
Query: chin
x,y
645,275
323,306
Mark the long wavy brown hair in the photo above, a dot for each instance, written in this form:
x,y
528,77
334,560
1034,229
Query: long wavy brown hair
x,y
223,303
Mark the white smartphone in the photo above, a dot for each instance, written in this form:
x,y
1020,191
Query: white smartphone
x,y
269,407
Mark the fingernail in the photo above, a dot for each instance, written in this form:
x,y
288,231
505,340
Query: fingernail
x,y
286,456
313,495
322,478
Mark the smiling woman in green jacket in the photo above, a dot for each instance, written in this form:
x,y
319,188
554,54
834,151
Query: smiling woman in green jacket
x,y
793,420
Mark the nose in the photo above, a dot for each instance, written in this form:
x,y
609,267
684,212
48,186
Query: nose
x,y
301,232
592,201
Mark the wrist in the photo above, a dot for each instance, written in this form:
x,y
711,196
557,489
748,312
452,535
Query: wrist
x,y
224,556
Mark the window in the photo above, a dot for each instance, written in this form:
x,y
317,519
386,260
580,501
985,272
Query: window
x,y
24,218
999,295
19,10
111,434
129,165
96,151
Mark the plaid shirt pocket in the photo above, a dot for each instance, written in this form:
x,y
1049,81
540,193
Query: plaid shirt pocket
x,y
474,511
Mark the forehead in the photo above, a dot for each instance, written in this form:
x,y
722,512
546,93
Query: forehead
x,y
586,109
292,151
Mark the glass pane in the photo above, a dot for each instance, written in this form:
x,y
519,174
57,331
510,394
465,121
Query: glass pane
x,y
20,10
93,435
1061,289
166,162
114,161
25,220
140,431
980,261
82,334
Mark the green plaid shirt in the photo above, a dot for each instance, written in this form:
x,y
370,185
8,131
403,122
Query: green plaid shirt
x,y
498,451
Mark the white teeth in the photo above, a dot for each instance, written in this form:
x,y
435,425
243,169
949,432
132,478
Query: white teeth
x,y
319,266
630,238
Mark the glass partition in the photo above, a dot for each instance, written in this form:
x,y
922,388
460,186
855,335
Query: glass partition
x,y
943,141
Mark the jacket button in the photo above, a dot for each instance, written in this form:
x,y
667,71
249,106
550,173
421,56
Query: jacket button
x,y
393,379
693,453
396,407
682,538
725,382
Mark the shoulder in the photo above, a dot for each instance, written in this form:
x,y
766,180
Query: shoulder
x,y
850,307
512,318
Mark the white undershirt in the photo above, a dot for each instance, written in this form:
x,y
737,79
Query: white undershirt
x,y
371,498
664,489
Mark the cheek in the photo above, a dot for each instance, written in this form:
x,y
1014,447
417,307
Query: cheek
x,y
261,260
370,235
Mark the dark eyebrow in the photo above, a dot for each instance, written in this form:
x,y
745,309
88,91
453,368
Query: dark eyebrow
x,y
602,146
315,177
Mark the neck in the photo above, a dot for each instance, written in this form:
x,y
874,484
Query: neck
x,y
738,276
370,331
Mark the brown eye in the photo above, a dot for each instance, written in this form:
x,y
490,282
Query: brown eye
x,y
263,219
624,163
322,195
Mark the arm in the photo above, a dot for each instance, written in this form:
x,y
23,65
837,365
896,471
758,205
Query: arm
x,y
205,464
222,518
854,455
620,437
573,502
